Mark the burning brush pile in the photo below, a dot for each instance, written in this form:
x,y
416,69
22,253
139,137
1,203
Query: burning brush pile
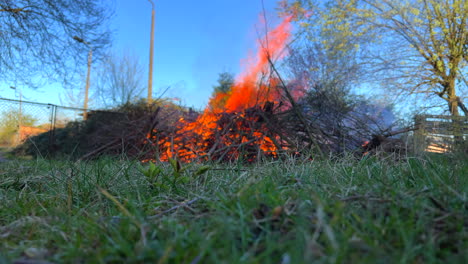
x,y
239,124
258,117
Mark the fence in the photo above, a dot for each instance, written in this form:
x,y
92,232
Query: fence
x,y
20,120
439,133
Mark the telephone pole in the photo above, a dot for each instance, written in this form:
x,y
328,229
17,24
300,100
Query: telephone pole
x,y
150,73
90,58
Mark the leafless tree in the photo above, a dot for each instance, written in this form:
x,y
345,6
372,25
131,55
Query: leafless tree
x,y
74,97
120,79
36,37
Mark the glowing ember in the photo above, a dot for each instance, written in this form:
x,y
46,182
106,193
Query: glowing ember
x,y
231,126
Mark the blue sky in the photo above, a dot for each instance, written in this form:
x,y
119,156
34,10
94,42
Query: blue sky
x,y
194,42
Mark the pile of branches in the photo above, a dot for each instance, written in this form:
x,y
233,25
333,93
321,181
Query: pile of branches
x,y
249,135
121,131
130,134
337,131
163,131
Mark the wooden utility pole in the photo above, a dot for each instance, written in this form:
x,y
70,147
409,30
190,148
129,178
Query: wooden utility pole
x,y
150,73
90,58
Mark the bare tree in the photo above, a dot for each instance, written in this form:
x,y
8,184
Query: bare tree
x,y
74,97
120,79
36,37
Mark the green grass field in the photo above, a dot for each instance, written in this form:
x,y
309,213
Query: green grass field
x,y
344,211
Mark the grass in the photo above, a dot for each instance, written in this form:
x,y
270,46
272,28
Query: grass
x,y
344,211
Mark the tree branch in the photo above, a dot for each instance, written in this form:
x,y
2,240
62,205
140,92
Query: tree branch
x,y
15,10
462,106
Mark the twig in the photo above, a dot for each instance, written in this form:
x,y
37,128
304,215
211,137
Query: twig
x,y
363,197
228,169
404,130
174,208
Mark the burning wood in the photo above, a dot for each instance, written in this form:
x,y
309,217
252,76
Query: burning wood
x,y
221,136
235,125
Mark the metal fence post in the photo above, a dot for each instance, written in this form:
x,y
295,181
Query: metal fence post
x,y
53,120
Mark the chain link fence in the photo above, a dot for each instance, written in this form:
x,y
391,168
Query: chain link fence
x,y
20,120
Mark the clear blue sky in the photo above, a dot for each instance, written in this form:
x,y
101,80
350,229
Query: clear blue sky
x,y
194,42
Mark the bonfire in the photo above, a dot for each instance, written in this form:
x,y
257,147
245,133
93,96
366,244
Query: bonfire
x,y
237,124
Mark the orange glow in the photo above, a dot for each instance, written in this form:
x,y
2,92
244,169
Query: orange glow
x,y
227,127
246,93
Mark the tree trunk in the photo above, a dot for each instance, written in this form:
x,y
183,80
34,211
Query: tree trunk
x,y
457,124
453,107
452,97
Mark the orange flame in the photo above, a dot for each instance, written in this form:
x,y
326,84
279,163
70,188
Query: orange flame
x,y
197,139
246,93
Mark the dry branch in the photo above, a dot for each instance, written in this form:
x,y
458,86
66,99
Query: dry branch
x,y
185,204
